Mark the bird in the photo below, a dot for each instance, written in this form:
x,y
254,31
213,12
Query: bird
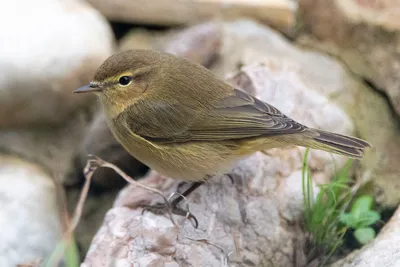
x,y
183,121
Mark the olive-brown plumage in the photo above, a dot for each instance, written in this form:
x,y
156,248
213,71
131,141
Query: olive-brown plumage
x,y
179,119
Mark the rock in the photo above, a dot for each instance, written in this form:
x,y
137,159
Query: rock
x,y
364,34
139,38
246,215
52,48
199,43
279,13
30,225
52,147
247,42
261,209
383,251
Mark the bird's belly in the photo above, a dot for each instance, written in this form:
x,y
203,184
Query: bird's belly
x,y
189,162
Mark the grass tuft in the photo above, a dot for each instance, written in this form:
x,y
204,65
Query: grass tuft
x,y
322,213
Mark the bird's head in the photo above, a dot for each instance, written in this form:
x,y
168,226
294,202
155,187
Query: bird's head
x,y
123,78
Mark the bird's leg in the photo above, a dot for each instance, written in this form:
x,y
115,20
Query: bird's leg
x,y
180,186
186,193
162,208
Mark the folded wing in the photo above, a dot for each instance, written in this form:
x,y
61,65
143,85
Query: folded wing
x,y
238,116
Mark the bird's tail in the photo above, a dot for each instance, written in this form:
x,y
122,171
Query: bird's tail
x,y
339,144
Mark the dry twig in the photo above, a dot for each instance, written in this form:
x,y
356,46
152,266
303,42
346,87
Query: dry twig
x,y
35,263
96,162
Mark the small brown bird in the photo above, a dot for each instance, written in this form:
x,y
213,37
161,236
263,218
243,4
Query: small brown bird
x,y
181,120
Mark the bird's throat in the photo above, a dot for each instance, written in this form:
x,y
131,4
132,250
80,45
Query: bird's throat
x,y
112,107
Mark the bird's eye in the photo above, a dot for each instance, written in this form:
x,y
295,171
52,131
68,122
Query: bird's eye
x,y
124,80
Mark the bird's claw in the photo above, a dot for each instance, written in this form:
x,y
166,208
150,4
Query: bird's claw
x,y
230,176
162,208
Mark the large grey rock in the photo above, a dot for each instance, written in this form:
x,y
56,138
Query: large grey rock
x,y
259,213
279,13
364,34
50,48
52,147
30,225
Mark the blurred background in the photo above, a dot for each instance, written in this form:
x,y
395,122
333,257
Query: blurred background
x,y
332,64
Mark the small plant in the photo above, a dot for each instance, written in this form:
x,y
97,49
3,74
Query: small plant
x,y
322,213
360,218
325,216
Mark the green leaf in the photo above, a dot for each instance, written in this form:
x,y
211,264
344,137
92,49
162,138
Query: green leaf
x,y
362,204
66,249
72,254
364,235
348,220
367,218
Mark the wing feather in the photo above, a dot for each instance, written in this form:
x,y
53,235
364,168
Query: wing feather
x,y
238,116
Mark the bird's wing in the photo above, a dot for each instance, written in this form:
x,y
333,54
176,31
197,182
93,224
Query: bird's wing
x,y
238,116
159,121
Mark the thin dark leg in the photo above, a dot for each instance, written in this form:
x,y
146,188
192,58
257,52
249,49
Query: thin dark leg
x,y
187,192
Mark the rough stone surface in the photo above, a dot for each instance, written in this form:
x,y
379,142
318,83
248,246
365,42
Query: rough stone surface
x,y
364,34
247,214
30,224
383,251
250,223
52,48
279,13
245,42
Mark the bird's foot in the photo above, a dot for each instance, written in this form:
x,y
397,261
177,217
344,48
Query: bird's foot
x,y
230,176
163,208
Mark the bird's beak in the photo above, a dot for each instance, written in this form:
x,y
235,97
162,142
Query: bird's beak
x,y
88,88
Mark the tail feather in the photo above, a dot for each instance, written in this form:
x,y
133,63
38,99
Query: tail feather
x,y
339,144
